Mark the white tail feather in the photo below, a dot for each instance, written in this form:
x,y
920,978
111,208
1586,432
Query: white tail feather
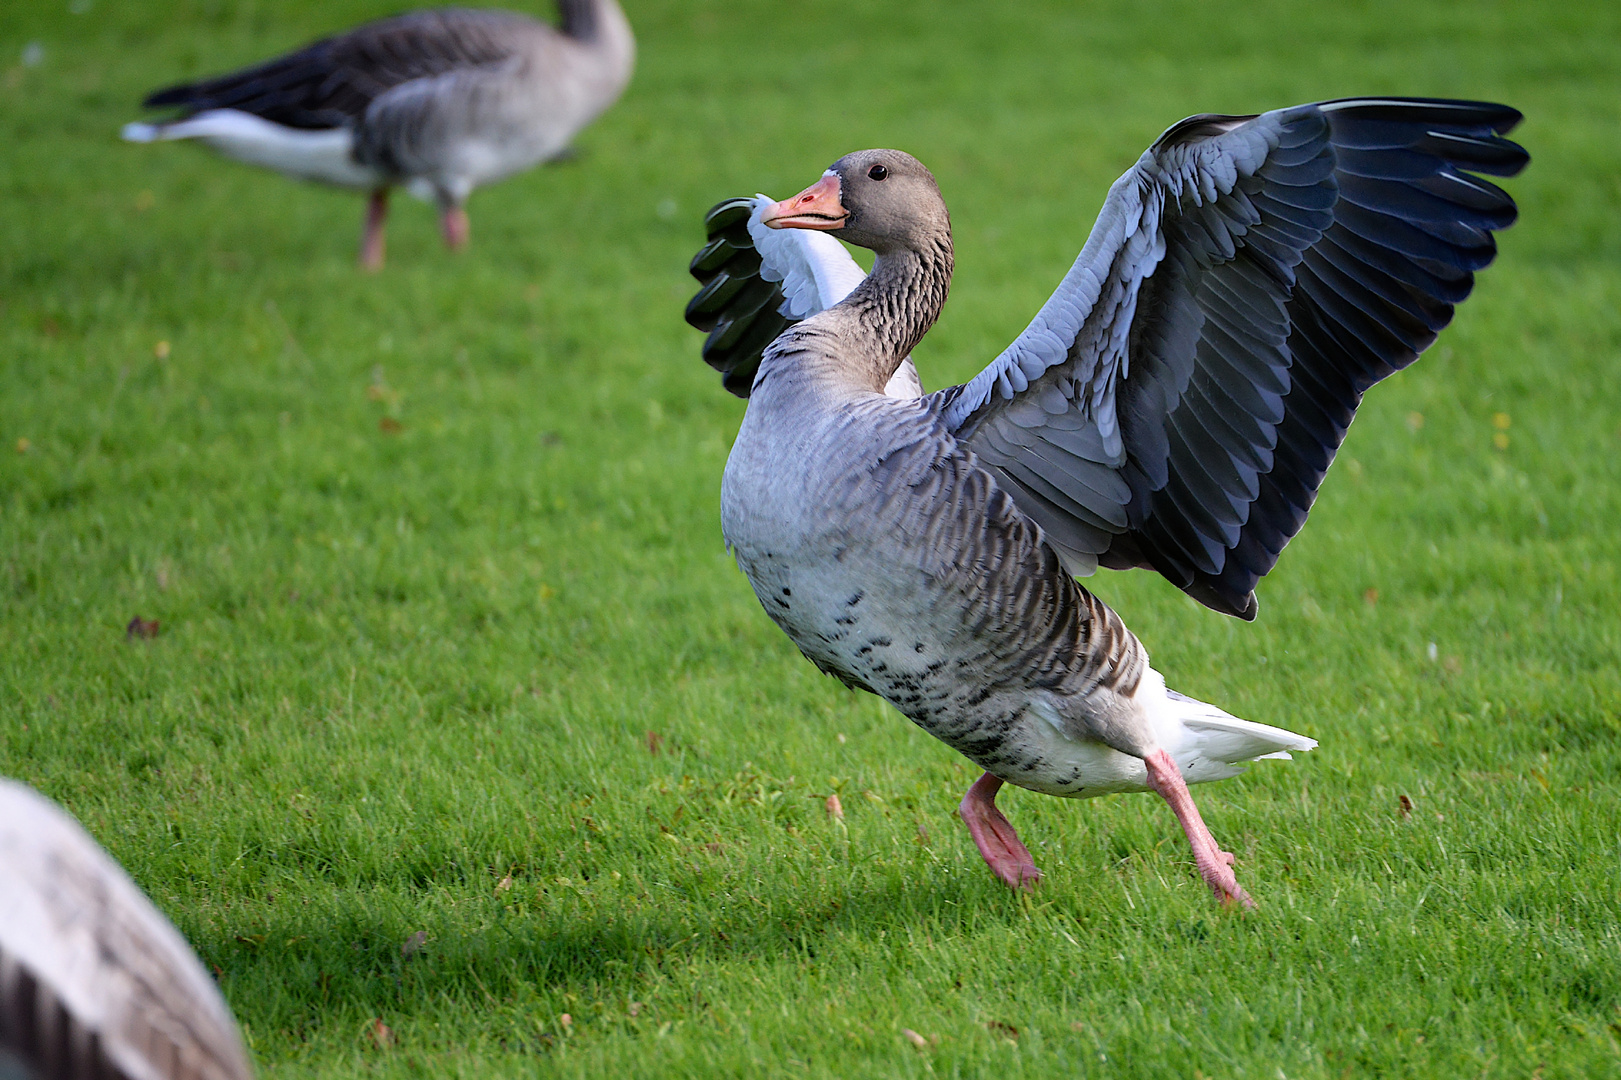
x,y
308,155
1209,744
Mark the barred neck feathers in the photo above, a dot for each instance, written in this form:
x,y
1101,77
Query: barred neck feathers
x,y
859,343
885,317
888,202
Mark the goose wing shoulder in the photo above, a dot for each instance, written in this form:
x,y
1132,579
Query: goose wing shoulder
x,y
94,981
756,282
332,82
1177,402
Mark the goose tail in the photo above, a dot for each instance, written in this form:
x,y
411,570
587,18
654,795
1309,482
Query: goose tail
x,y
325,154
1209,744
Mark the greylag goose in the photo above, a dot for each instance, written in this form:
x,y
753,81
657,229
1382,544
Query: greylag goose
x,y
94,981
1174,406
441,101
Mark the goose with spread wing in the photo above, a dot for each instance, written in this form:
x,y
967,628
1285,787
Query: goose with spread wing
x,y
94,981
1174,406
441,101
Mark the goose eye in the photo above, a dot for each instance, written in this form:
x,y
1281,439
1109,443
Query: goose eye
x,y
877,172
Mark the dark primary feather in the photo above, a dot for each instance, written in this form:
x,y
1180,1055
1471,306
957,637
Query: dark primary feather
x,y
331,82
736,307
1278,300
1360,308
42,1033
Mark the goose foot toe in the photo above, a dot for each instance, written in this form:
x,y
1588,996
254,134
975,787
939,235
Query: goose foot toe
x,y
999,844
1215,865
1225,885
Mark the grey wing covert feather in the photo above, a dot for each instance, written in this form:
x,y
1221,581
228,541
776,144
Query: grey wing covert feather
x,y
1030,622
331,83
1177,402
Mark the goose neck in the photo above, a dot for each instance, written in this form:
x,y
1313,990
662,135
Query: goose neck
x,y
579,18
602,48
590,22
897,303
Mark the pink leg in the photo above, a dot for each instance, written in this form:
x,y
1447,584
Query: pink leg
x,y
453,221
994,836
1215,865
371,241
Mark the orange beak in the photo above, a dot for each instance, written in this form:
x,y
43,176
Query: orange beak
x,y
817,207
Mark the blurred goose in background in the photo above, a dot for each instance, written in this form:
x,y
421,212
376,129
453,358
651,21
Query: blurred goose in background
x,y
94,981
1174,406
441,101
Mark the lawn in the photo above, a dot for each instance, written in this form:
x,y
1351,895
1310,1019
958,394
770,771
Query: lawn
x,y
448,642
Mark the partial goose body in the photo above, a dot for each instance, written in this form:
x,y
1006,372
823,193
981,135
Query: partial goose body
x,y
895,561
94,981
440,101
1174,406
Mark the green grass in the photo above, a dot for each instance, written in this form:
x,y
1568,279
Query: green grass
x,y
404,680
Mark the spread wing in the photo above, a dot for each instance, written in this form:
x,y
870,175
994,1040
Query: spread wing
x,y
331,82
94,982
1177,401
757,282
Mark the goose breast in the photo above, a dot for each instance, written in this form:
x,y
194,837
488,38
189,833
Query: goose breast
x,y
897,563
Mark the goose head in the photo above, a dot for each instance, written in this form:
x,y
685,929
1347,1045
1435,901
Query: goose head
x,y
884,200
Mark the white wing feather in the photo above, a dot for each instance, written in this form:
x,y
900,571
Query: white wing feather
x,y
816,272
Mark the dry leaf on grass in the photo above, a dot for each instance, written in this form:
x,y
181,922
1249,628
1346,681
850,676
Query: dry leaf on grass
x,y
381,1035
141,628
